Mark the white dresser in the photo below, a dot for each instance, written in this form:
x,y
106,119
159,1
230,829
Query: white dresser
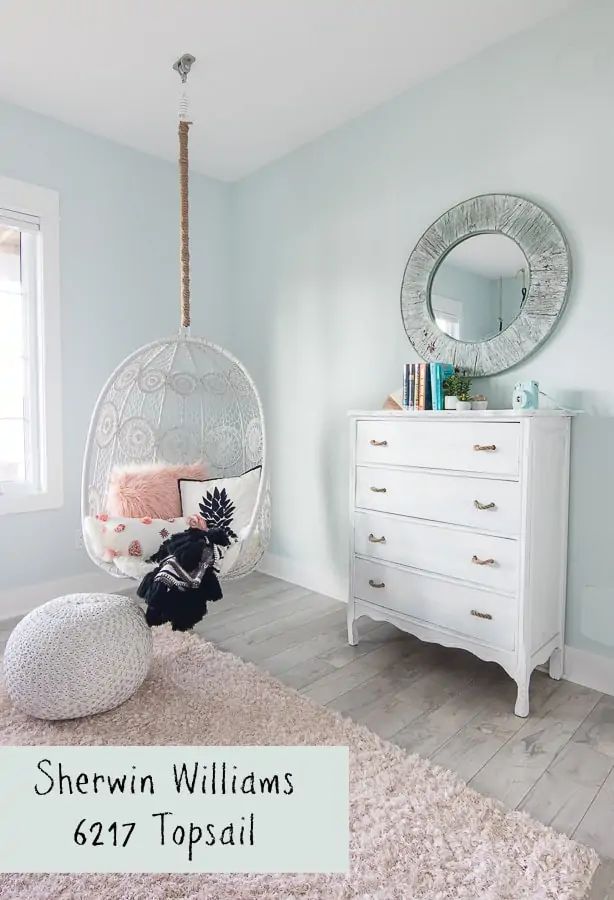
x,y
459,532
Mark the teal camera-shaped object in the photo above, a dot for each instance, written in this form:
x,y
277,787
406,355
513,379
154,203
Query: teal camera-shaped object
x,y
526,395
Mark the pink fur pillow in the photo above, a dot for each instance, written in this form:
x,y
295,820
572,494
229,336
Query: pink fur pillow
x,y
150,489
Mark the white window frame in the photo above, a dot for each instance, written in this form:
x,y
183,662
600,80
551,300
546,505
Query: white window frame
x,y
47,489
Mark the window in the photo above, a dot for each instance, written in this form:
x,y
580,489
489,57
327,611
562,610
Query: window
x,y
30,425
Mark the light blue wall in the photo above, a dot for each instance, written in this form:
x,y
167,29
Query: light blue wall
x,y
119,289
321,239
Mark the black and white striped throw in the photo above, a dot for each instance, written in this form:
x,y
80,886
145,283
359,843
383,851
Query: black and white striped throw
x,y
173,575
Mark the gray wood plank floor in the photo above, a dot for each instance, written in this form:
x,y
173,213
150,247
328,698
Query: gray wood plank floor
x,y
557,765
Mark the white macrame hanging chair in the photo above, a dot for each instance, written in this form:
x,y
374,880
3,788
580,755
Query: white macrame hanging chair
x,y
180,400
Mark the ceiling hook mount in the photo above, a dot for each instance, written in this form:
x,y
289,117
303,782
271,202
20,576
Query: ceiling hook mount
x,y
183,66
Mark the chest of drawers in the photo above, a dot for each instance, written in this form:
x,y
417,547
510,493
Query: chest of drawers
x,y
459,532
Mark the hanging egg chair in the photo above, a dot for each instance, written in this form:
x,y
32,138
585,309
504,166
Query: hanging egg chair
x,y
181,400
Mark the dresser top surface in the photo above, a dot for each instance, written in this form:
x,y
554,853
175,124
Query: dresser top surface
x,y
502,415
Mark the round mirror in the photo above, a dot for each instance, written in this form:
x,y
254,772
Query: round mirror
x,y
485,284
479,287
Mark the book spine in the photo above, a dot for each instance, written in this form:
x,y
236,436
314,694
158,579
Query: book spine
x,y
428,392
406,386
433,379
422,404
412,384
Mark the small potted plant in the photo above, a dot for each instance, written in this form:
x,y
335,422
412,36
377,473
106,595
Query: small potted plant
x,y
450,391
463,392
457,391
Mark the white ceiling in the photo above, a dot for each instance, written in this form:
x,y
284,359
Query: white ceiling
x,y
271,74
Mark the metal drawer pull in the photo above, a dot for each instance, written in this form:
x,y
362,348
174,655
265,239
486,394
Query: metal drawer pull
x,y
482,562
480,615
376,584
374,540
485,447
479,505
378,490
375,443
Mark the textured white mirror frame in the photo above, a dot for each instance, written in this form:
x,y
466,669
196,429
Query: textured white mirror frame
x,y
545,248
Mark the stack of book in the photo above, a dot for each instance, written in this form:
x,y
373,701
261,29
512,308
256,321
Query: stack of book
x,y
423,385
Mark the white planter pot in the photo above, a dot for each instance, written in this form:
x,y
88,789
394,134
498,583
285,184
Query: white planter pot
x,y
450,402
463,405
479,404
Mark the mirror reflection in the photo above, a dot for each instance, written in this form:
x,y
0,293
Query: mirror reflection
x,y
479,287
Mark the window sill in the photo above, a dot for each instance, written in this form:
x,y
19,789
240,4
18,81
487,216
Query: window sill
x,y
11,504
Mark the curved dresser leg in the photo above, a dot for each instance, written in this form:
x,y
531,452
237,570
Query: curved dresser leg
x,y
556,664
352,629
522,698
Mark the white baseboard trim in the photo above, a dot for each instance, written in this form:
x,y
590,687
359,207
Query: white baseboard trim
x,y
310,577
589,669
21,600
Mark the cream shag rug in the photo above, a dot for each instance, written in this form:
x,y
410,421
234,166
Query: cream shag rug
x,y
417,830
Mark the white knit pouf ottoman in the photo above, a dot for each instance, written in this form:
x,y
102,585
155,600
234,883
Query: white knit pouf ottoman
x,y
77,655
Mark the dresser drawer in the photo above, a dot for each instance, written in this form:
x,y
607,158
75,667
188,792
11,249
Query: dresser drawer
x,y
490,448
491,562
482,503
438,603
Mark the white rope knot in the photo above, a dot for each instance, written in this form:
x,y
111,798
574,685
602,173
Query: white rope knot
x,y
184,106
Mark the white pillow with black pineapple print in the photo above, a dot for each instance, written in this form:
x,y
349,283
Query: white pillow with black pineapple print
x,y
223,502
